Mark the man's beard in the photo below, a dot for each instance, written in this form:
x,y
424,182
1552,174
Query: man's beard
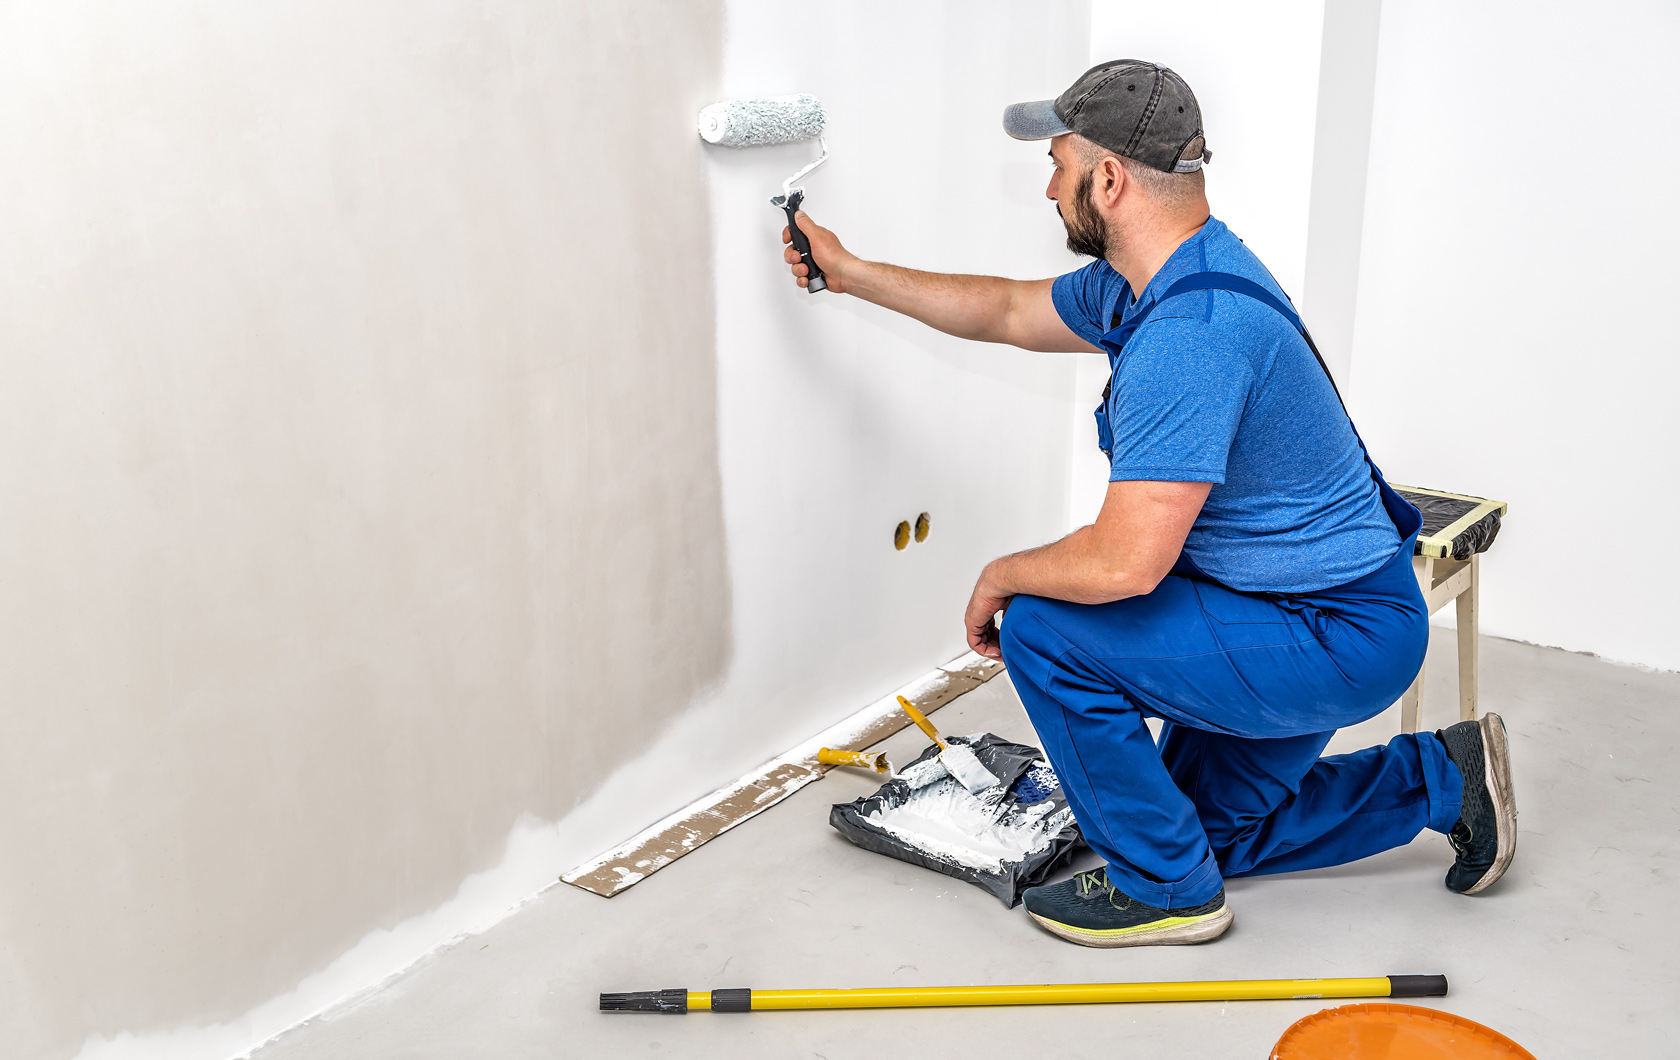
x,y
1087,231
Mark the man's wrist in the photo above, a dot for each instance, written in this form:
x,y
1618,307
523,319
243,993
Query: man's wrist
x,y
855,275
993,580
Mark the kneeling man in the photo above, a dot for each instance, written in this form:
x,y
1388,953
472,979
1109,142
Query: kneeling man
x,y
1249,578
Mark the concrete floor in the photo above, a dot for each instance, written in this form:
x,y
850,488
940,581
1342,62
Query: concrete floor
x,y
1572,954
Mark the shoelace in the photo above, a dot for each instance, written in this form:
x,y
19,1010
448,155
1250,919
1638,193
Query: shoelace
x,y
1097,880
1459,838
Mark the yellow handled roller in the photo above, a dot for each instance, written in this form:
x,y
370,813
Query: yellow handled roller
x,y
681,1001
876,760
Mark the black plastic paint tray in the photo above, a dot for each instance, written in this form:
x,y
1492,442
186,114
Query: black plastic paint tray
x,y
1003,841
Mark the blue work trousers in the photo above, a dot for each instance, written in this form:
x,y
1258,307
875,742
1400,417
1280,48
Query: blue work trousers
x,y
1251,687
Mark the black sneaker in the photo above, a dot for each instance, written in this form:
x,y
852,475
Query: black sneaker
x,y
1092,912
1485,836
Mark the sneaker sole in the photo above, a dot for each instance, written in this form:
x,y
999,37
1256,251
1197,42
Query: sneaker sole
x,y
1173,931
1496,759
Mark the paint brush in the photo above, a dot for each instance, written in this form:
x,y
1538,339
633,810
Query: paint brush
x,y
958,760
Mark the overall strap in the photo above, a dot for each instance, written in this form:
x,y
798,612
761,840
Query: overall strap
x,y
1227,281
1406,518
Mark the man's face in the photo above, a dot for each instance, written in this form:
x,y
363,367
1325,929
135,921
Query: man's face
x,y
1070,188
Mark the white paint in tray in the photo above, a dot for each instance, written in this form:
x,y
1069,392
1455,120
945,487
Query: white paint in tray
x,y
945,821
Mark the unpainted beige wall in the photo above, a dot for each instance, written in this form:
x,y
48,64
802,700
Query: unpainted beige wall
x,y
358,468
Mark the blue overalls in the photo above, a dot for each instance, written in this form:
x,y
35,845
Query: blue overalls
x,y
1251,687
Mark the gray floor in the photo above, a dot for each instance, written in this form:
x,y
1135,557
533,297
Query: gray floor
x,y
1572,954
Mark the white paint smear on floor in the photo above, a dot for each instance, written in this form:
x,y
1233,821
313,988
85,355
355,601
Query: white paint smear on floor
x,y
537,852
484,898
679,766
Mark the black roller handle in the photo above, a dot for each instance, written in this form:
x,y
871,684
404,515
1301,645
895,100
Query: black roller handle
x,y
817,282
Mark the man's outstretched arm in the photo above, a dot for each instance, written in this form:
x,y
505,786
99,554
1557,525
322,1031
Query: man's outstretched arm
x,y
1133,544
983,308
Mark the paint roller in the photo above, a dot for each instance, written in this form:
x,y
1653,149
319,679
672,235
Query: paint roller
x,y
833,756
765,123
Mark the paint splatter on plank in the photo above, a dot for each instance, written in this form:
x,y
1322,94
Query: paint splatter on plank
x,y
705,819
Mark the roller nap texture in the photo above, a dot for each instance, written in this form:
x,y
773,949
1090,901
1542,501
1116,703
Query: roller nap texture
x,y
762,122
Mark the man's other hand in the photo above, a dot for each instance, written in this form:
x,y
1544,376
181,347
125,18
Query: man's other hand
x,y
830,256
1134,543
981,619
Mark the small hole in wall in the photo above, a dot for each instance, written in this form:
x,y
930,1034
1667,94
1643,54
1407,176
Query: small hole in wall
x,y
922,527
901,535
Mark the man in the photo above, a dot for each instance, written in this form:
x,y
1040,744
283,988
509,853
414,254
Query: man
x,y
1248,579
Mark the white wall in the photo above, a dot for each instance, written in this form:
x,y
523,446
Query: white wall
x,y
1254,69
1347,82
1515,333
356,498
838,419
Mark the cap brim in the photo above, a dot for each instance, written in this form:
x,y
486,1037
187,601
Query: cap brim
x,y
1033,121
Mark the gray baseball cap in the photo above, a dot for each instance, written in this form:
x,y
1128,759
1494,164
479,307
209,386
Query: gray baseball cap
x,y
1140,110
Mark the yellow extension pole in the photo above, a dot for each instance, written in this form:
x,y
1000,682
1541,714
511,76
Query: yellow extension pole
x,y
744,1000
1070,994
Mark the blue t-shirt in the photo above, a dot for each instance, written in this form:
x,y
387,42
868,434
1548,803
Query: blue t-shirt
x,y
1217,387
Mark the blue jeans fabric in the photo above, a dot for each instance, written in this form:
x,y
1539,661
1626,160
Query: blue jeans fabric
x,y
1251,687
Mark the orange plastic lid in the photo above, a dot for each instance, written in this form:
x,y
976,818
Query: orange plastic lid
x,y
1392,1032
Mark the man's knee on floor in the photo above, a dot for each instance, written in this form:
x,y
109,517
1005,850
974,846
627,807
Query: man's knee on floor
x,y
1237,843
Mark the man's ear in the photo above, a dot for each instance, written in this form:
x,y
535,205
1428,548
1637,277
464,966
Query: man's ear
x,y
1110,182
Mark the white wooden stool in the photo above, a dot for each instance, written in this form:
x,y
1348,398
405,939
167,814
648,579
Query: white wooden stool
x,y
1457,529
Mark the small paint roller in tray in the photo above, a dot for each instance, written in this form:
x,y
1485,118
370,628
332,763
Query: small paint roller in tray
x,y
764,123
877,761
